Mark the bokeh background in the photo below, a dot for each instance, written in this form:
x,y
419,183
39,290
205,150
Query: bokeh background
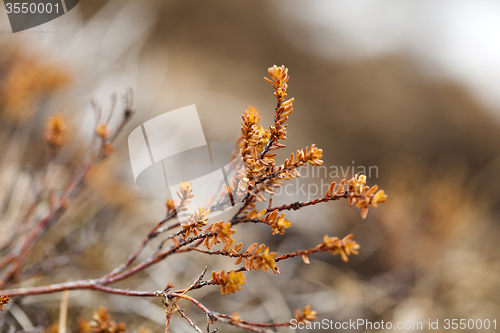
x,y
411,87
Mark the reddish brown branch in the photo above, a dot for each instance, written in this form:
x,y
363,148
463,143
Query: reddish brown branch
x,y
300,253
107,279
83,284
298,205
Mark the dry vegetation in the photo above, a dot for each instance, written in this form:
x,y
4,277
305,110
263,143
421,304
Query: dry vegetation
x,y
253,188
430,253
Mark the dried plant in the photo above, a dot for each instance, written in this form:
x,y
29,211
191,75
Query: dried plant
x,y
257,178
26,80
4,299
101,323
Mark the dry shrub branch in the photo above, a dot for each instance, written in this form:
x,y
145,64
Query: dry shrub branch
x,y
257,178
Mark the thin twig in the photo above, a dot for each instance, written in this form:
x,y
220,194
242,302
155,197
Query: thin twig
x,y
181,312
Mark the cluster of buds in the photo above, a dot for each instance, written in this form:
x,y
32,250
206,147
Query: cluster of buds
x,y
54,132
230,282
345,247
234,251
279,78
303,156
270,185
332,192
185,193
256,143
103,131
254,166
256,215
259,258
278,222
300,158
102,323
220,232
306,314
235,318
4,299
252,142
250,129
170,204
238,188
26,80
253,134
196,222
362,196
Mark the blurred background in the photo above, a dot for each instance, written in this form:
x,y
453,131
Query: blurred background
x,y
411,87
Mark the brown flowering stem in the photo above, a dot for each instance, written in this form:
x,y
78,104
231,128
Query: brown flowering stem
x,y
158,229
273,139
246,220
275,175
261,169
298,204
153,233
269,143
223,253
300,253
112,278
